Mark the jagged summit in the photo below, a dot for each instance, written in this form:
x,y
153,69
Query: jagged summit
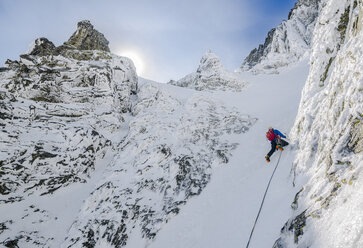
x,y
209,61
88,38
85,38
211,75
288,42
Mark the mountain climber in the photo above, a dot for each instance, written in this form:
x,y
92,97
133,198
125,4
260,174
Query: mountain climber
x,y
274,136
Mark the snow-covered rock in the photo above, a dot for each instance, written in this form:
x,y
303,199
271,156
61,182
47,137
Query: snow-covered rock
x,y
59,116
287,43
329,134
88,38
211,75
63,101
41,47
166,158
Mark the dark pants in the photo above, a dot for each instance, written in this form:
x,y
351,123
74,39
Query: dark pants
x,y
274,144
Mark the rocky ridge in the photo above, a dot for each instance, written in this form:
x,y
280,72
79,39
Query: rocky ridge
x,y
287,43
86,38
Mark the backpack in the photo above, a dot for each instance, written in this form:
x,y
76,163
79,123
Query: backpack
x,y
270,135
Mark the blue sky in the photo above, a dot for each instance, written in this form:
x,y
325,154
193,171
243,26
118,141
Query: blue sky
x,y
169,36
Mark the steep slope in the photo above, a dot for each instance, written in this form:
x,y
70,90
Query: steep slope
x,y
287,43
211,75
162,163
329,134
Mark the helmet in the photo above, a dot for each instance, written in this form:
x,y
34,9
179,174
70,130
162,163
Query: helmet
x,y
269,128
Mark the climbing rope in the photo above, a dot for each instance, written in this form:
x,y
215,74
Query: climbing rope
x,y
263,200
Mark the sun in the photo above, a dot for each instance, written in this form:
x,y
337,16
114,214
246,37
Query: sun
x,y
136,58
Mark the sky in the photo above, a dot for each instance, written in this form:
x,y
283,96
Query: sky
x,y
166,38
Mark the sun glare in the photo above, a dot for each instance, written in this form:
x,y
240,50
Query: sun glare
x,y
136,58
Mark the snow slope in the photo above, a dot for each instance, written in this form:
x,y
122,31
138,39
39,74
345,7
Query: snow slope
x,y
161,164
223,215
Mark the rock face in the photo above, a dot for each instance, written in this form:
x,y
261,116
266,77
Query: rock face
x,y
288,43
257,54
56,79
328,133
49,92
211,75
87,38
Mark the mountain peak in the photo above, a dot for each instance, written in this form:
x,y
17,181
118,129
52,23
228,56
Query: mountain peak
x,y
85,24
88,38
287,43
208,61
211,75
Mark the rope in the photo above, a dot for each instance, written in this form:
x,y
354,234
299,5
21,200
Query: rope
x,y
263,200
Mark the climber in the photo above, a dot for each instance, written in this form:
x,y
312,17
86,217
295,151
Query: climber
x,y
274,136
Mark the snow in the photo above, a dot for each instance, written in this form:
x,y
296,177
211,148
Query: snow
x,y
213,130
163,162
109,162
223,215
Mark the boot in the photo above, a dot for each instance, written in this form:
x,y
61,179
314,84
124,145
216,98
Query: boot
x,y
267,157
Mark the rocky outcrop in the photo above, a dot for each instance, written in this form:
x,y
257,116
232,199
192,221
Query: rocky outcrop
x,y
287,43
211,75
257,54
81,45
42,47
56,79
87,38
